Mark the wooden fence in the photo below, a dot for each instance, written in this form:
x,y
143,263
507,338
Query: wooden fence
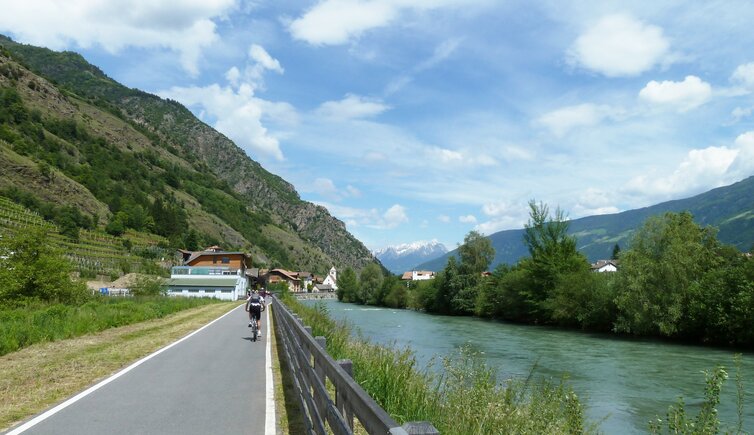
x,y
311,366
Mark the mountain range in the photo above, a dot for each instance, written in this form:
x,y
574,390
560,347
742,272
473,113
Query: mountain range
x,y
407,256
729,208
72,136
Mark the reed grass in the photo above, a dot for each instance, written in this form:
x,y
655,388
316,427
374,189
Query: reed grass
x,y
466,398
35,322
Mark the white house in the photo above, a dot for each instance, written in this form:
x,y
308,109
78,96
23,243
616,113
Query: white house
x,y
207,282
418,275
605,266
331,279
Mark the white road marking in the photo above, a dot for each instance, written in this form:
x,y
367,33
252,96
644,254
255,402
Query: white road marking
x,y
40,418
269,418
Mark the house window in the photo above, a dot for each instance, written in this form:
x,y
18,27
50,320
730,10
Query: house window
x,y
226,260
214,259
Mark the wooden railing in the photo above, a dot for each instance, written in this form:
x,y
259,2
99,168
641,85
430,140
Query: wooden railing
x,y
311,366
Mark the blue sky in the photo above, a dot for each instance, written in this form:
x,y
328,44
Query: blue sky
x,y
419,120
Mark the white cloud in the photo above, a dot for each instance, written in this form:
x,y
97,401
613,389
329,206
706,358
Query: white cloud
x,y
512,152
335,22
353,192
744,76
370,218
233,75
467,219
620,45
263,59
352,107
374,157
184,26
563,120
502,216
451,157
700,170
237,110
327,188
394,216
443,51
692,92
352,216
740,113
444,218
595,201
743,166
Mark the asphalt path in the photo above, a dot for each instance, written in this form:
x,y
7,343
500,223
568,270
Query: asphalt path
x,y
211,383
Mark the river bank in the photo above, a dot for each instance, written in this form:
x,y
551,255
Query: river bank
x,y
314,296
623,382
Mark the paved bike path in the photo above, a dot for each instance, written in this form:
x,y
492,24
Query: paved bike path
x,y
211,383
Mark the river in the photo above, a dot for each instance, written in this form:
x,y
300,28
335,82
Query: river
x,y
624,383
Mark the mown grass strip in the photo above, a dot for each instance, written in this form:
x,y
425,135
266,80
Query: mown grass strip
x,y
41,375
288,414
38,322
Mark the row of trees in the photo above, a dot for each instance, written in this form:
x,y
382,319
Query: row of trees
x,y
676,280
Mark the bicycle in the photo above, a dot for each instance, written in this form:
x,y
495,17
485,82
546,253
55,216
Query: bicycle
x,y
254,330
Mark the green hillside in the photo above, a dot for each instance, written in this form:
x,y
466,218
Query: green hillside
x,y
90,154
729,208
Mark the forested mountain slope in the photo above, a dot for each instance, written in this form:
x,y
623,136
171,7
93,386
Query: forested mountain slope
x,y
70,135
729,208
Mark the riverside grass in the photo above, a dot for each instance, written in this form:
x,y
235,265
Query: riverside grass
x,y
36,322
465,399
43,374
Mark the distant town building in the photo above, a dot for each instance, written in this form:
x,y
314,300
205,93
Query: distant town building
x,y
418,275
281,275
331,279
605,266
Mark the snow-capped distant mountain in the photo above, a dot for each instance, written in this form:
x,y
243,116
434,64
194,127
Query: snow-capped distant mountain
x,y
405,257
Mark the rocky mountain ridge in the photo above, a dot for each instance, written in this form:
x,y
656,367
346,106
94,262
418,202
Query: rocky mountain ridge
x,y
407,256
138,122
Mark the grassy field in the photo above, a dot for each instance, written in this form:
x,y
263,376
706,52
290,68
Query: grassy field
x,y
38,322
43,374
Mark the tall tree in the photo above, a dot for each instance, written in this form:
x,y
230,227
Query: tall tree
x,y
370,282
348,285
553,254
660,273
476,253
616,252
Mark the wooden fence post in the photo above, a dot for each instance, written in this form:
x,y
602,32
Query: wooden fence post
x,y
420,428
340,403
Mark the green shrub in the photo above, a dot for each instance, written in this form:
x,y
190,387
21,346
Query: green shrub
x,y
31,268
149,286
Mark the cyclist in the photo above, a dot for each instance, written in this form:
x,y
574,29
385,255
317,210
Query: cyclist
x,y
255,306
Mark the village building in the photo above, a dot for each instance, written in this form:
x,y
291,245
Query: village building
x,y
323,288
307,281
331,279
418,275
605,266
210,273
276,276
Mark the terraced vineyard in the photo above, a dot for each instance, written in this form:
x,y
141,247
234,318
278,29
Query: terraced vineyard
x,y
96,252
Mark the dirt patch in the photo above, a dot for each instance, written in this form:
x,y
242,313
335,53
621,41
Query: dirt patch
x,y
125,281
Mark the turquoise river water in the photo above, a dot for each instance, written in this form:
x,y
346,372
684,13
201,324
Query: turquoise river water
x,y
623,383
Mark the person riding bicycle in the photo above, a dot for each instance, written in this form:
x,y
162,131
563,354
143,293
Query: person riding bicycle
x,y
255,306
